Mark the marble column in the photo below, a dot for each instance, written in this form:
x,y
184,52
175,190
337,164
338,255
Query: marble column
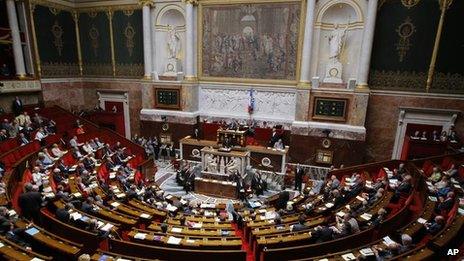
x,y
17,46
154,63
190,41
366,46
307,44
147,46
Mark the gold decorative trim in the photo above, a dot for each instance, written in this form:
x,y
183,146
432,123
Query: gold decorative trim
x,y
130,70
98,69
57,32
146,2
444,5
54,11
409,3
128,12
51,70
51,5
109,13
78,40
34,38
405,31
192,2
129,33
94,35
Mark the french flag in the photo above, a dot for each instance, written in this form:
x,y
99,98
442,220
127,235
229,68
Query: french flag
x,y
251,103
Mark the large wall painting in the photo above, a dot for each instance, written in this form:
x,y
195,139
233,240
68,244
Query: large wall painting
x,y
250,41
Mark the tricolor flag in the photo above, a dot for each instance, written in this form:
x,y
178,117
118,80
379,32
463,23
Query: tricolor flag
x,y
251,103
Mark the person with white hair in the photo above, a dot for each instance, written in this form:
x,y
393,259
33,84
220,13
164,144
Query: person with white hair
x,y
406,244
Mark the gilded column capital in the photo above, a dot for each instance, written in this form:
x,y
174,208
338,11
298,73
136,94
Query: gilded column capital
x,y
192,2
150,3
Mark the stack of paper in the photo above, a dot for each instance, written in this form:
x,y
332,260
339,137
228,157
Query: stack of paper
x,y
388,241
329,205
174,240
348,257
75,215
176,230
140,236
421,220
366,252
115,204
366,216
107,227
144,215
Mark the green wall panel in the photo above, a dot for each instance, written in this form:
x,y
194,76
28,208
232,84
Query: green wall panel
x,y
95,43
128,42
56,40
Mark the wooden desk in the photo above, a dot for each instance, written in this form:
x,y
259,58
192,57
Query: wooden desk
x,y
204,232
223,189
12,251
53,242
147,208
188,242
176,254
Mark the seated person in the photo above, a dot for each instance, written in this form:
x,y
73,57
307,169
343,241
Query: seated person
x,y
58,177
88,206
435,176
87,148
279,144
435,226
22,139
435,136
322,234
98,143
57,152
48,156
416,135
40,134
453,137
392,250
343,227
378,217
62,214
445,203
404,187
406,244
63,167
301,225
452,172
77,153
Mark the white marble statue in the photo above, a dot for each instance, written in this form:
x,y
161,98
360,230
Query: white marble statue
x,y
173,42
233,165
211,163
336,42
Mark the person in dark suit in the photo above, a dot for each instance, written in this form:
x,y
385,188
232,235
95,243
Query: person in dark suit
x,y
196,134
338,199
446,204
301,224
322,234
62,214
30,203
435,226
88,205
17,106
299,173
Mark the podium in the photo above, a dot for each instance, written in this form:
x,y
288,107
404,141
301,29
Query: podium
x,y
236,137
